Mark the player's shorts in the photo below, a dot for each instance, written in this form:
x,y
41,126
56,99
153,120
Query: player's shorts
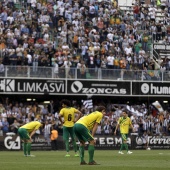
x,y
124,136
68,131
23,133
82,133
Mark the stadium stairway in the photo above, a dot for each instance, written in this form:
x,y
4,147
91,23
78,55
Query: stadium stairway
x,y
159,18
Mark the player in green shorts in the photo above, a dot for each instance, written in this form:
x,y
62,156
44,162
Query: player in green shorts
x,y
68,115
26,132
85,129
124,123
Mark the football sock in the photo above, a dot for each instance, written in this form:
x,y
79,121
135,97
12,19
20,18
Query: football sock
x,y
81,149
67,145
91,152
25,148
126,146
28,148
75,146
122,146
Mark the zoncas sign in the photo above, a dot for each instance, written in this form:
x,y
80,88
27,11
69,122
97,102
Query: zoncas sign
x,y
93,87
103,91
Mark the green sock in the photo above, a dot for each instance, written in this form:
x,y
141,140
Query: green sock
x,y
28,148
91,152
67,145
122,146
25,148
81,149
126,146
75,146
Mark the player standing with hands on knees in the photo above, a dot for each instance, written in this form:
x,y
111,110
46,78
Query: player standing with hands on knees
x,y
124,123
68,113
85,129
26,132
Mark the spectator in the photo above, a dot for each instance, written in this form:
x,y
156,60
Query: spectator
x,y
51,107
5,126
54,136
67,64
81,70
56,69
14,127
2,69
145,140
47,132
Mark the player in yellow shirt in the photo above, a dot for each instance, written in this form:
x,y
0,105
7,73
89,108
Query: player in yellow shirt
x,y
85,129
26,132
68,113
124,123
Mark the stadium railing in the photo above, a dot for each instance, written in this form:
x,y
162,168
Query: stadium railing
x,y
89,73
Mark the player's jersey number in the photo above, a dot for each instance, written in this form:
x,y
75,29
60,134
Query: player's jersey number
x,y
69,117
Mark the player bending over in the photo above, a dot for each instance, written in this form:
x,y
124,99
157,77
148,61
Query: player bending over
x,y
26,132
85,129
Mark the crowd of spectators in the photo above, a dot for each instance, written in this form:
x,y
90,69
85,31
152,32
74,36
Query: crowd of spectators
x,y
149,120
82,34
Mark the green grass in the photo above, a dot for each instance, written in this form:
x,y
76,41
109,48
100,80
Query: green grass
x,y
109,160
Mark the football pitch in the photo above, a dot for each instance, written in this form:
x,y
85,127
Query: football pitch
x,y
108,159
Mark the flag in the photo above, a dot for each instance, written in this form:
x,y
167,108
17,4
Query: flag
x,y
158,106
87,104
